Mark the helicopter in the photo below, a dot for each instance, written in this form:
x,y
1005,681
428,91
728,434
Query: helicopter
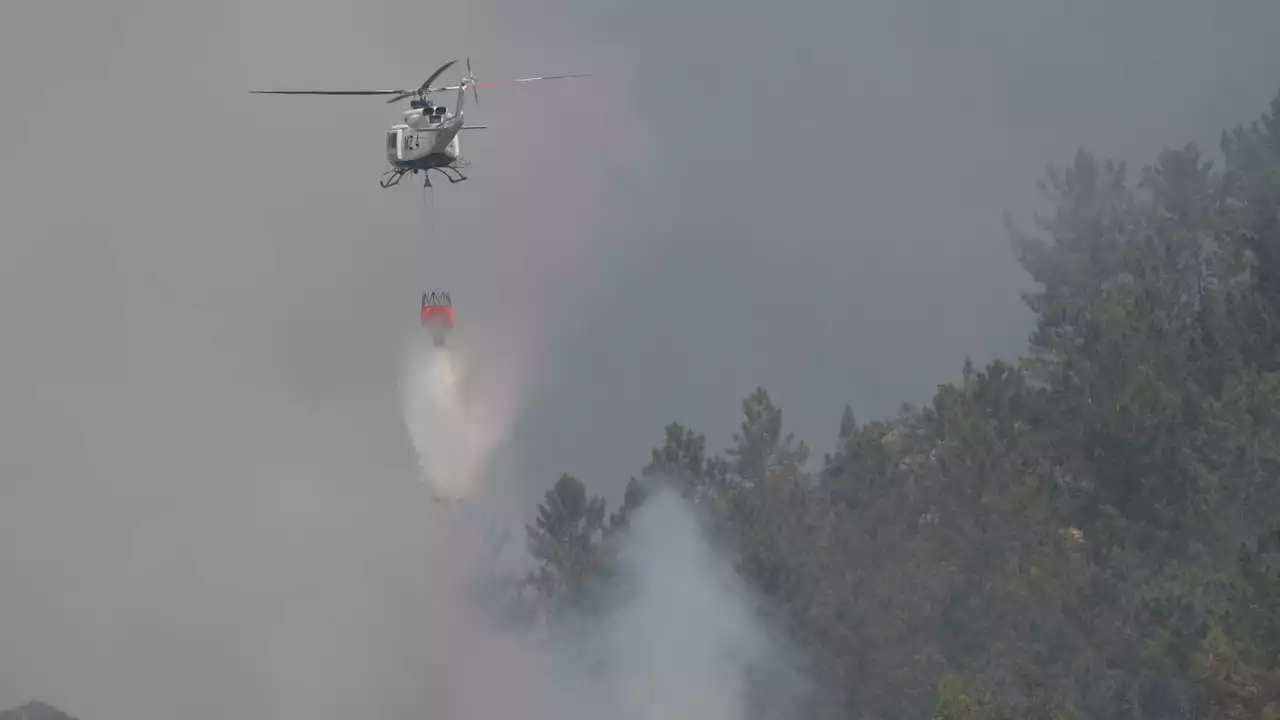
x,y
428,137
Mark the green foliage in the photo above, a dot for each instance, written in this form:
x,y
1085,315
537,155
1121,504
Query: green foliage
x,y
682,463
956,702
35,711
565,540
760,445
1092,531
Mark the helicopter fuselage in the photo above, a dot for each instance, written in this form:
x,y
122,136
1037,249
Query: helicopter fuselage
x,y
422,143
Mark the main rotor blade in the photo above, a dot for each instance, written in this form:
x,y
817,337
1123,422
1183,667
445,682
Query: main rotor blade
x,y
425,87
436,74
327,92
517,80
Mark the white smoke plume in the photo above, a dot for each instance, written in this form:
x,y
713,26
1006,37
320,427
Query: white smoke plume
x,y
454,429
675,633
685,640
677,638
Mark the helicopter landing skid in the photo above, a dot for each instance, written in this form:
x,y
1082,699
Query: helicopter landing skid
x,y
444,170
395,176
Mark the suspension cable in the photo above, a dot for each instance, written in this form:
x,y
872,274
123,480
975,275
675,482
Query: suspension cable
x,y
431,225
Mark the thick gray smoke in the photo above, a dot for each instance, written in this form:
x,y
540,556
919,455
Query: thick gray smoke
x,y
675,635
685,642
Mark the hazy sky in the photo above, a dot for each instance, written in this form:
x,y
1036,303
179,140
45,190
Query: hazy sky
x,y
206,295
839,170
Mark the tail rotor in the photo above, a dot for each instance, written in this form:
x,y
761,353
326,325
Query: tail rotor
x,y
471,80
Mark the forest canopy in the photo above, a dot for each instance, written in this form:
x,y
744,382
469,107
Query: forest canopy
x,y
1091,530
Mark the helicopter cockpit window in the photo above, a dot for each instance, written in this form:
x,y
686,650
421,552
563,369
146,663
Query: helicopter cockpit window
x,y
391,141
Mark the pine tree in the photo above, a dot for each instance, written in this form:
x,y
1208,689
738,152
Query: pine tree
x,y
565,539
760,444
